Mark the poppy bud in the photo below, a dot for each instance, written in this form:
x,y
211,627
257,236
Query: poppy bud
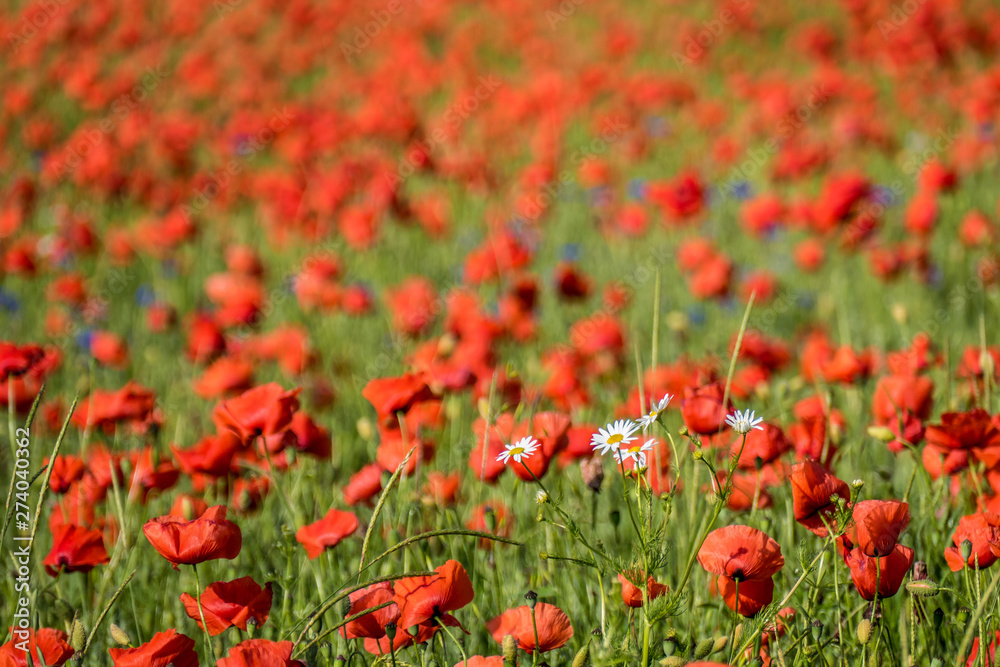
x,y
120,636
581,656
532,598
719,643
865,631
816,628
509,646
78,638
703,648
923,588
592,472
616,517
673,661
669,646
737,633
882,433
340,661
365,428
966,550
938,618
936,662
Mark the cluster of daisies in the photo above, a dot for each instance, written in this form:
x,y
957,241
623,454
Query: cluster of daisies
x,y
620,439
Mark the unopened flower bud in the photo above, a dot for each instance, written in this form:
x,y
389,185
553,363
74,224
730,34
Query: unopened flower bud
x,y
922,588
865,631
703,648
720,643
883,433
120,636
581,656
966,548
78,636
509,646
592,471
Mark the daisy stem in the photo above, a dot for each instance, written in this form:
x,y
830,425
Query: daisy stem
x,y
571,525
631,514
201,612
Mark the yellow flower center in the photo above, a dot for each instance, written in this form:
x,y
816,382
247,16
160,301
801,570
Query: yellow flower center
x,y
516,451
615,439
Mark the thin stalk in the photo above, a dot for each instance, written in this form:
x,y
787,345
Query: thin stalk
x,y
201,612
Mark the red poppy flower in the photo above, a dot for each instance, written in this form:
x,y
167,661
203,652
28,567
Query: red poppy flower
x,y
391,395
441,489
963,430
975,658
310,438
75,549
208,537
702,408
261,653
554,628
894,393
165,649
327,532
632,594
745,555
812,488
423,599
982,530
491,517
16,360
890,570
480,661
363,485
230,603
879,524
371,626
66,470
262,411
131,404
765,445
148,476
212,455
109,349
227,375
53,645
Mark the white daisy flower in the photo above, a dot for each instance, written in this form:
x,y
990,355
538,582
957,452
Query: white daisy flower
x,y
655,410
637,452
521,449
616,435
744,422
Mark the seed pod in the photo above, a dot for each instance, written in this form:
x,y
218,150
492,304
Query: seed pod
x,y
720,643
703,648
923,588
669,646
532,598
865,631
816,628
120,636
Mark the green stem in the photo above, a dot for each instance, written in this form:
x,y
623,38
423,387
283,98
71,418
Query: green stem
x,y
201,612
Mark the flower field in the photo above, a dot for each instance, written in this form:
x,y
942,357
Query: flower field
x,y
429,333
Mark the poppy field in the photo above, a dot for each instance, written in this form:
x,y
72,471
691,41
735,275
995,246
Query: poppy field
x,y
427,333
